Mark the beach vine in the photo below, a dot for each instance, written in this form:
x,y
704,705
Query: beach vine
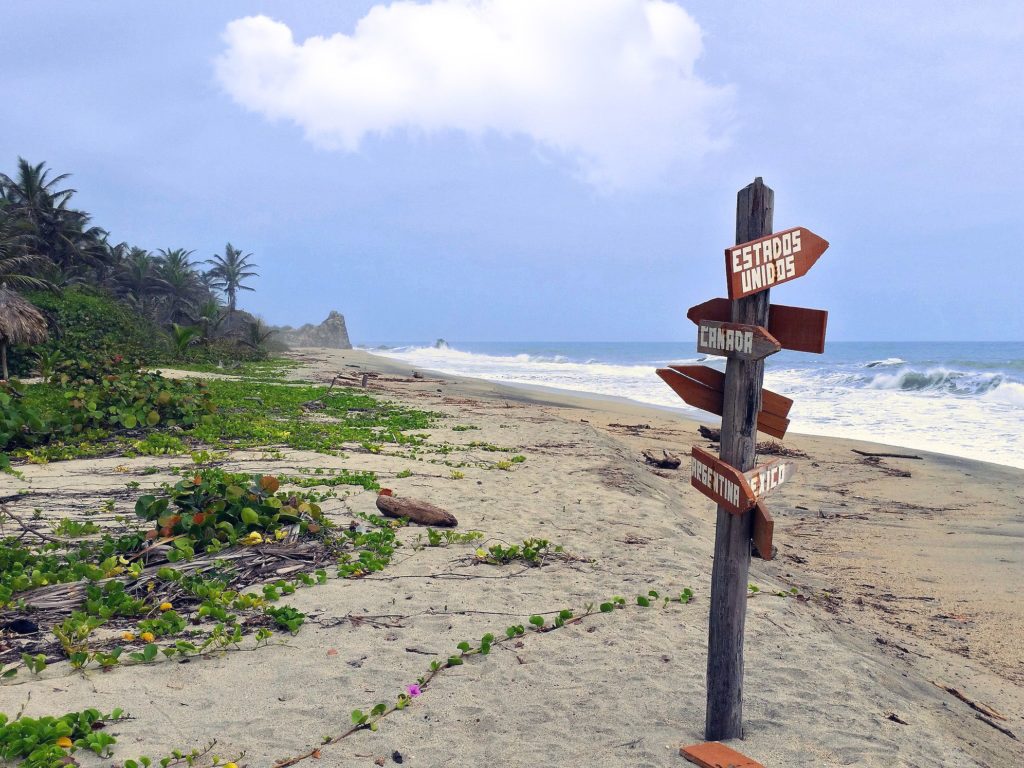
x,y
535,624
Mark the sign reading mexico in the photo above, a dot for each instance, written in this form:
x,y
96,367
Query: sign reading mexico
x,y
777,258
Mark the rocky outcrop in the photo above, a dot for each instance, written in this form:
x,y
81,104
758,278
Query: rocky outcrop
x,y
331,333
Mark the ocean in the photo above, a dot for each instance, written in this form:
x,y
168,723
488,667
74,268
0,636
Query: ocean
x,y
958,398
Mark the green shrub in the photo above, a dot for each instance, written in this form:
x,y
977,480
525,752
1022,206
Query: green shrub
x,y
213,508
91,325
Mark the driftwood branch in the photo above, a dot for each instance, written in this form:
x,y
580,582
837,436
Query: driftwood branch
x,y
887,455
27,528
421,512
665,461
977,706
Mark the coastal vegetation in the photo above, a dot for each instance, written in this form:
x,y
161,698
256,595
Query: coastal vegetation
x,y
207,561
155,306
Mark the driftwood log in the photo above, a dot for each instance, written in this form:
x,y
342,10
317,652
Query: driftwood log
x,y
665,461
421,512
887,455
714,435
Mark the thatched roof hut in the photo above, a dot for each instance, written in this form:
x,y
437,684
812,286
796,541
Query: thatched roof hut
x,y
21,322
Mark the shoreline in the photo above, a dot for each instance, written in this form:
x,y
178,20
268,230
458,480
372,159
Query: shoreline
x,y
903,596
566,396
917,443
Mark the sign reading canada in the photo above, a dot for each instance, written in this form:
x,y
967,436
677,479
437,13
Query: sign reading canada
x,y
745,342
768,261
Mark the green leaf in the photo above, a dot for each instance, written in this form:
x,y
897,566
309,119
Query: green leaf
x,y
358,716
464,646
249,516
643,601
607,607
537,621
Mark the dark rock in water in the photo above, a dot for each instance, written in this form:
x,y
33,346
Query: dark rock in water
x,y
331,333
440,344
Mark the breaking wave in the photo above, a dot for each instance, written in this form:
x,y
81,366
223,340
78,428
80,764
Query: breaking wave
x,y
953,382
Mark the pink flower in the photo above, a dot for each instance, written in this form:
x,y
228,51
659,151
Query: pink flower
x,y
413,690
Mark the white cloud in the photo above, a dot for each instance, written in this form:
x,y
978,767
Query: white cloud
x,y
608,83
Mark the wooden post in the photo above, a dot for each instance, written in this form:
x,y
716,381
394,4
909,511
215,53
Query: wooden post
x,y
742,402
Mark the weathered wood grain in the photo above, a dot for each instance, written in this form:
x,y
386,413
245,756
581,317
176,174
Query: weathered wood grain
x,y
741,403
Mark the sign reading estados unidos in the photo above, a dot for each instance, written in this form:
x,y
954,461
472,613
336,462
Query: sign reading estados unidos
x,y
770,260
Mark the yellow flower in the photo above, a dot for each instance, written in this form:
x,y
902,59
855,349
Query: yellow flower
x,y
279,534
231,765
127,637
147,637
165,606
253,538
65,742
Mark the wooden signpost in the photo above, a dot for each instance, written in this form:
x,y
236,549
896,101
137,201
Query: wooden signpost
x,y
719,482
704,388
776,258
746,342
765,478
745,328
795,328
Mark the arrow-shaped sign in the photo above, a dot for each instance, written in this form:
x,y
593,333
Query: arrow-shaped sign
x,y
723,484
704,388
796,328
745,342
770,260
764,527
765,478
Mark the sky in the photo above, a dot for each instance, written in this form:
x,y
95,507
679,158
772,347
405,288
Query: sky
x,y
543,169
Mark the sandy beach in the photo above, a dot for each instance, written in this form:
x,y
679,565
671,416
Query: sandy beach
x,y
900,646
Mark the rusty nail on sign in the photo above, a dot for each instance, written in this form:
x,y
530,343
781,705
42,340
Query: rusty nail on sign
x,y
777,258
745,342
721,483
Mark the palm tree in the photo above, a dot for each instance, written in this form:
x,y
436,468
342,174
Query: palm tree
x,y
230,270
138,282
58,232
180,285
18,264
